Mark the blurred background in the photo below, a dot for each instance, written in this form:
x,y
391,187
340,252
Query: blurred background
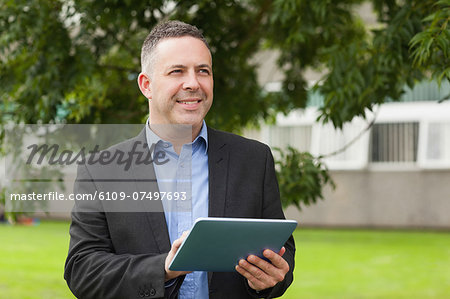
x,y
352,97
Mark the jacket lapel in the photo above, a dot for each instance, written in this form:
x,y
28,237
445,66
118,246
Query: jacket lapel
x,y
218,155
145,180
218,174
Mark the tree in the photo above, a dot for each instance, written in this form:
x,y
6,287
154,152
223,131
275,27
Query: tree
x,y
77,61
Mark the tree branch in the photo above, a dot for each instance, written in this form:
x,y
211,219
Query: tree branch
x,y
351,142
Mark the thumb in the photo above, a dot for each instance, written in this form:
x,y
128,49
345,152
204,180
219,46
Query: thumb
x,y
177,243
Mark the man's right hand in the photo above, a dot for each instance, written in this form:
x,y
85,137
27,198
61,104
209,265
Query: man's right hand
x,y
176,244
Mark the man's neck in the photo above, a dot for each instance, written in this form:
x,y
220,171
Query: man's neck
x,y
177,135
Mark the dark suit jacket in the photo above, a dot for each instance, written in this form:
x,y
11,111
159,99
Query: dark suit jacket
x,y
122,254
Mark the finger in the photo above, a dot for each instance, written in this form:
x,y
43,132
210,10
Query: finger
x,y
282,251
275,274
256,272
264,265
177,243
252,281
184,234
258,278
276,259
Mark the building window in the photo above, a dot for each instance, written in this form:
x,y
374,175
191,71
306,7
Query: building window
x,y
298,137
438,144
394,142
342,148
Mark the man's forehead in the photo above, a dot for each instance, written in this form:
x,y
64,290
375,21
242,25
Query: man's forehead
x,y
184,46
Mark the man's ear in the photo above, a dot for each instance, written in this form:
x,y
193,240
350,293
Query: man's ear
x,y
144,85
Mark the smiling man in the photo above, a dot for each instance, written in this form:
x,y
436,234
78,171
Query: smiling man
x,y
178,81
126,255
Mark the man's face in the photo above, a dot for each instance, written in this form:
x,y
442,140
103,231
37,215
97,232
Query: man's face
x,y
181,82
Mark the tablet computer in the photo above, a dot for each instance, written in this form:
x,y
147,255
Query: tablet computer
x,y
217,244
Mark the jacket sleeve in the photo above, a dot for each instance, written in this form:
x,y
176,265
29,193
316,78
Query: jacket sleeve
x,y
94,270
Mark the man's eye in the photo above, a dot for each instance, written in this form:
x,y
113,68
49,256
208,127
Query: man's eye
x,y
204,71
175,71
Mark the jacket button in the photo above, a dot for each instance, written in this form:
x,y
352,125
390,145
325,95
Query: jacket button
x,y
152,292
141,294
147,293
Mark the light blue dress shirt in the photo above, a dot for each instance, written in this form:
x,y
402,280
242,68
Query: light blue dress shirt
x,y
184,175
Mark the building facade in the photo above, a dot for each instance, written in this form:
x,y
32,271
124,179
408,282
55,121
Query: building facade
x,y
392,173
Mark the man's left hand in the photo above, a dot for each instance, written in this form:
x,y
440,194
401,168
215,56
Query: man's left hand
x,y
261,274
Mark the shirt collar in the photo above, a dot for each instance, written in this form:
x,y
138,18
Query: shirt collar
x,y
152,138
204,135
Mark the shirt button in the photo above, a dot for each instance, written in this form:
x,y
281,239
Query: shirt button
x,y
152,292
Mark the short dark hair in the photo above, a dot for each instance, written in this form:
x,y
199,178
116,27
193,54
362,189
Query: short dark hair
x,y
166,30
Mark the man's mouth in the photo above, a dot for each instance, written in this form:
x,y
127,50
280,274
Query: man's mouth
x,y
190,102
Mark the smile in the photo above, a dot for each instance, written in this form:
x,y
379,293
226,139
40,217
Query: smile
x,y
189,102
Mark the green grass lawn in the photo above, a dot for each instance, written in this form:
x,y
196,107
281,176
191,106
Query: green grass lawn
x,y
371,264
32,261
329,263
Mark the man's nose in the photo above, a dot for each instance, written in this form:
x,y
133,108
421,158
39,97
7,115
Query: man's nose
x,y
191,82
